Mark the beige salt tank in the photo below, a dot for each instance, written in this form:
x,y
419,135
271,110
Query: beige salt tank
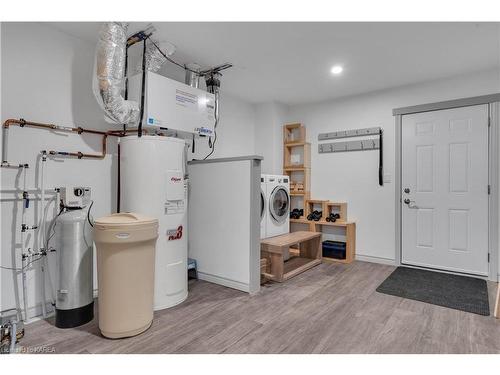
x,y
125,245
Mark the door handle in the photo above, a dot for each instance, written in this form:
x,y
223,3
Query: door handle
x,y
410,203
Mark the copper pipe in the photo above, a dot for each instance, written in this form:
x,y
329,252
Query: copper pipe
x,y
78,154
81,155
80,130
22,123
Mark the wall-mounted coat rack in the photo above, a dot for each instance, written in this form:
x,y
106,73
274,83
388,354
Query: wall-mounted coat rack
x,y
363,145
349,133
368,144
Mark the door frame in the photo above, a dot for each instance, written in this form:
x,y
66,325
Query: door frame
x,y
493,102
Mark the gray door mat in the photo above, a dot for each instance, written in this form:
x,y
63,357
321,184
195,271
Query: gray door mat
x,y
453,291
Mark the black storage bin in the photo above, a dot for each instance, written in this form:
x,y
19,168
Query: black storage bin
x,y
334,249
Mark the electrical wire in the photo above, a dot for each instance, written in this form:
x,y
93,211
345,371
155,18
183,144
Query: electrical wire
x,y
171,60
10,268
215,138
183,66
52,228
26,266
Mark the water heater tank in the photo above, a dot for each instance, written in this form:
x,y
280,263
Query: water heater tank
x,y
152,183
74,277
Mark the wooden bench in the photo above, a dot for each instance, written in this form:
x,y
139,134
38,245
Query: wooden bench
x,y
273,250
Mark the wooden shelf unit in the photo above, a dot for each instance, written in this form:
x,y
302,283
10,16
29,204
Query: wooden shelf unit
x,y
350,230
317,226
294,141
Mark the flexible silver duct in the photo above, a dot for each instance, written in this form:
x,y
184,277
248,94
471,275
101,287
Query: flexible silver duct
x,y
154,59
109,82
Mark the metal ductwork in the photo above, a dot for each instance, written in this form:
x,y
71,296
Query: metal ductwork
x,y
109,75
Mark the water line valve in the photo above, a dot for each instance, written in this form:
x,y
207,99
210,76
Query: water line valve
x,y
25,227
26,199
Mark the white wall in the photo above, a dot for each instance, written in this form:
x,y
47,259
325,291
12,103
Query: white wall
x,y
269,119
352,177
47,77
234,131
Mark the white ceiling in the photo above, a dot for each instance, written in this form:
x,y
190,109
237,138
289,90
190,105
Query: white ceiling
x,y
290,62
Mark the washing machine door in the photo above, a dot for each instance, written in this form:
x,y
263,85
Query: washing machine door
x,y
279,204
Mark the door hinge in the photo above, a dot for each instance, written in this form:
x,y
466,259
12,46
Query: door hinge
x,y
488,257
489,189
489,122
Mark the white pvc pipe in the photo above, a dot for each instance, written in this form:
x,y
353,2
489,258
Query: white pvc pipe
x,y
13,337
42,230
42,202
51,285
23,252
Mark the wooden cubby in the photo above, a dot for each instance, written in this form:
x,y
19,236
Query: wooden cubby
x,y
312,203
304,155
337,208
293,133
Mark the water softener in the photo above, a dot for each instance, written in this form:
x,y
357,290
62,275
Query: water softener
x,y
74,300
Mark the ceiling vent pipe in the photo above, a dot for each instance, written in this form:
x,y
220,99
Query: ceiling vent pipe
x,y
109,75
192,75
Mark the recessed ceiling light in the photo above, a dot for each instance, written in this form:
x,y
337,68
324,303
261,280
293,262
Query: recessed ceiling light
x,y
336,69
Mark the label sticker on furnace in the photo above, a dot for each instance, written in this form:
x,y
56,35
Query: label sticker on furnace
x,y
186,99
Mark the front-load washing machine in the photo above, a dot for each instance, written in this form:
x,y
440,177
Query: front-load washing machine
x,y
278,205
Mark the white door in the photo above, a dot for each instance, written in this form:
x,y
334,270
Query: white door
x,y
445,189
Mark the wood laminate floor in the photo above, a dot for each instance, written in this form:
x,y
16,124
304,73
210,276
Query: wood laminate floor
x,y
328,309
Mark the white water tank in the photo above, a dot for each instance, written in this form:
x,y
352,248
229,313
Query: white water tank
x,y
152,183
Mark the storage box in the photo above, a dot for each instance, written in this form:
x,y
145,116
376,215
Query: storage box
x,y
334,249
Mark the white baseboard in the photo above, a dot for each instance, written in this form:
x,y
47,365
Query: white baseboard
x,y
372,259
35,312
224,282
